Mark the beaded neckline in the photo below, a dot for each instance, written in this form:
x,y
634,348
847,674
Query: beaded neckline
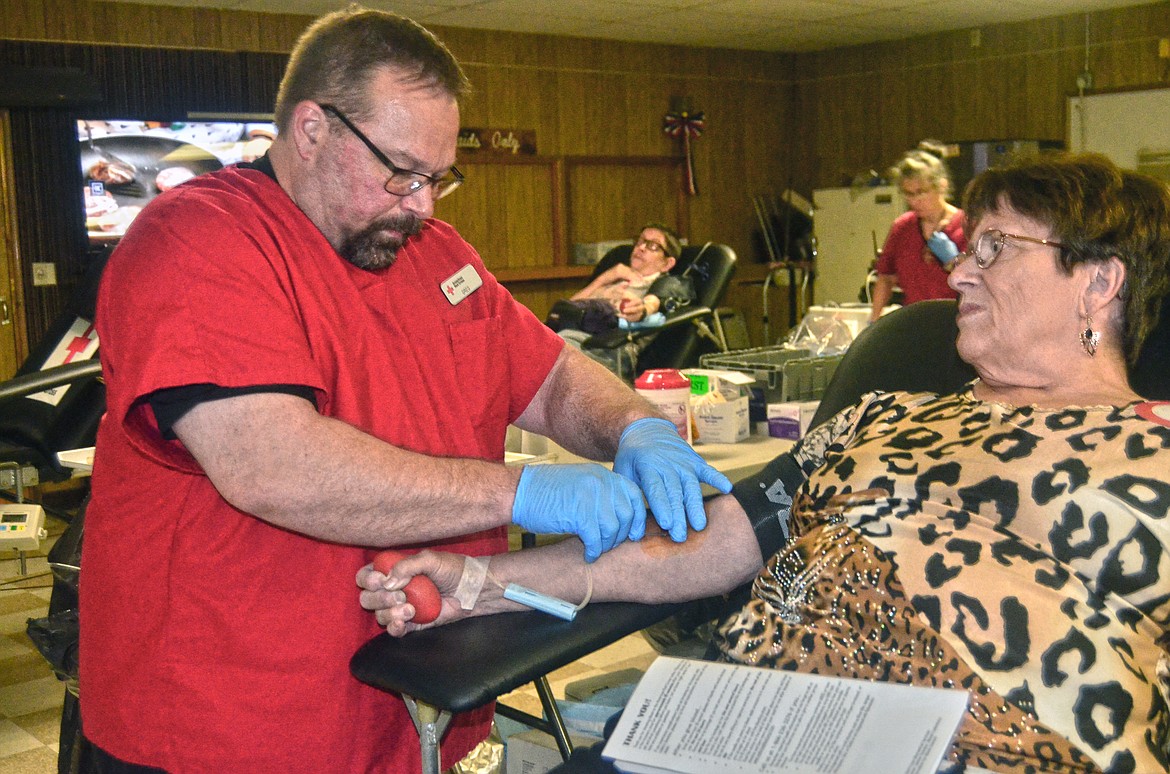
x,y
968,395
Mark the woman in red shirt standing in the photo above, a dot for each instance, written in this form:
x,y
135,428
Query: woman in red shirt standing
x,y
922,243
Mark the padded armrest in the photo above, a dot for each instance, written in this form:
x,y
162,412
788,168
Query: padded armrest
x,y
469,663
618,336
46,379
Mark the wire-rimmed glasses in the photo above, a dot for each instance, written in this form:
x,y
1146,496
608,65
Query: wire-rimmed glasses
x,y
402,182
986,249
651,245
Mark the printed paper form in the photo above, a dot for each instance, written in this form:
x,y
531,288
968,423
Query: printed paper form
x,y
700,717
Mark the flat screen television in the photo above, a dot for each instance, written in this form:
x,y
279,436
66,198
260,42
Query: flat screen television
x,y
127,162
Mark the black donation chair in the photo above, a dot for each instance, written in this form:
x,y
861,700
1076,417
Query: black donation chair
x,y
913,348
689,332
467,664
37,424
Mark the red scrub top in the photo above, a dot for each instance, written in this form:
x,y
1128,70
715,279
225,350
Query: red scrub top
x,y
212,641
905,254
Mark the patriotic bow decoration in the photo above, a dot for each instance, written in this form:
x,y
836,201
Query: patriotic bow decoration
x,y
685,125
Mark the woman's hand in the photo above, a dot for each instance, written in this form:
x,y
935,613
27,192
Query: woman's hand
x,y
383,595
632,308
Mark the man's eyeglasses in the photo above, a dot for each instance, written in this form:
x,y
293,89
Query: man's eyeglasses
x,y
402,182
986,249
650,245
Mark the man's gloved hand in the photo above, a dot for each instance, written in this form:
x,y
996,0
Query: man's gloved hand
x,y
585,499
943,248
653,455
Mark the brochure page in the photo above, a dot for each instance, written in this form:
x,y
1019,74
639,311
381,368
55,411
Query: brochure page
x,y
700,717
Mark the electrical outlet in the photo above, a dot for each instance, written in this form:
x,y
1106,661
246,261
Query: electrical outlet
x,y
44,274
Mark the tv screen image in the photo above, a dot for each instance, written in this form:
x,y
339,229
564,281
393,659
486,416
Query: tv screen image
x,y
126,163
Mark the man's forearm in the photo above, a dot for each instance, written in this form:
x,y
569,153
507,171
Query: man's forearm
x,y
273,456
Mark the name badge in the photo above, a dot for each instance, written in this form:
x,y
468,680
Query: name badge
x,y
461,284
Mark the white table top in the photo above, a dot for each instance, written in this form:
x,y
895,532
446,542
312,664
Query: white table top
x,y
734,460
80,460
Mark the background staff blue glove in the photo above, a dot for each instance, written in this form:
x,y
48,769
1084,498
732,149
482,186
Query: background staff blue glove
x,y
653,455
583,499
943,248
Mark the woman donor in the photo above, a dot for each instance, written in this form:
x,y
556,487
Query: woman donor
x,y
1012,539
923,243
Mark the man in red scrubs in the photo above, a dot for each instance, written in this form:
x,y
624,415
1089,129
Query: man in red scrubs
x,y
303,366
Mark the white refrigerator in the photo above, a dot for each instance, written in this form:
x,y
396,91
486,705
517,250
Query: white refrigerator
x,y
848,223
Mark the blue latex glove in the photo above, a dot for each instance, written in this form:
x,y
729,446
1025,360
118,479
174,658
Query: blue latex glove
x,y
583,499
943,248
656,320
653,455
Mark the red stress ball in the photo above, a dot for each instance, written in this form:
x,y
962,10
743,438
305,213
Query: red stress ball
x,y
421,591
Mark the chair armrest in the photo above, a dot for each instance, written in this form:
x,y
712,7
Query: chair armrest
x,y
469,663
618,336
48,378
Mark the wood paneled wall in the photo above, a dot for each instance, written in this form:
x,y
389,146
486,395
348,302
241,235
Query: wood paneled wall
x,y
858,108
773,120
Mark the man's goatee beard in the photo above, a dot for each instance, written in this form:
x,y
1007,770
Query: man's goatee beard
x,y
371,249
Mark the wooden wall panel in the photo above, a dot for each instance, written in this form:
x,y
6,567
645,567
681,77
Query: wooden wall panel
x,y
773,121
506,212
612,201
1012,85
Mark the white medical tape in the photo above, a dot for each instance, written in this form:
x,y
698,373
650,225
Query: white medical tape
x,y
475,570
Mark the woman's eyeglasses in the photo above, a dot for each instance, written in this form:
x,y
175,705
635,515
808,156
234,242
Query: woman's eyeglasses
x,y
650,245
986,249
402,182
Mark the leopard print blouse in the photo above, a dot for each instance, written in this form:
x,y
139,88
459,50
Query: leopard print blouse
x,y
1018,553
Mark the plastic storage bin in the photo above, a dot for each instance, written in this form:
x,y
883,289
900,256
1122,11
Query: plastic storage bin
x,y
782,374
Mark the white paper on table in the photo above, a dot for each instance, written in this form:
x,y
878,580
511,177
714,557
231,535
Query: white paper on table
x,y
701,717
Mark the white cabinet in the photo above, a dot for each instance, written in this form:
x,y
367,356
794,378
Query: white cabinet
x,y
848,222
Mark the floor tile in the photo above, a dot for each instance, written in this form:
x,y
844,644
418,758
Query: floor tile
x,y
33,696
14,739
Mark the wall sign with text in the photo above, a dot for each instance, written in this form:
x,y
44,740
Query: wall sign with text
x,y
489,140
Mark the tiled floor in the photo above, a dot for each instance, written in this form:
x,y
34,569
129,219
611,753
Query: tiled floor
x,y
632,652
30,695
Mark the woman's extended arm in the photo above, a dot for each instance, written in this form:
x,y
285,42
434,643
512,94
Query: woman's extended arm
x,y
655,569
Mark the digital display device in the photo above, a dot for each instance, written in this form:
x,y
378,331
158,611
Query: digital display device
x,y
127,162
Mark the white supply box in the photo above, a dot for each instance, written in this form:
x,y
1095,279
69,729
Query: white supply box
x,y
535,752
719,405
791,420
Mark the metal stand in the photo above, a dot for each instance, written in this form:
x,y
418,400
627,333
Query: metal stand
x,y
431,722
18,487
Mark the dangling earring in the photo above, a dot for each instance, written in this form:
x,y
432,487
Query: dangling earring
x,y
1089,337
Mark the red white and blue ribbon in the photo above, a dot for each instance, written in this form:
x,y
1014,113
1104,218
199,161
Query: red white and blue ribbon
x,y
685,125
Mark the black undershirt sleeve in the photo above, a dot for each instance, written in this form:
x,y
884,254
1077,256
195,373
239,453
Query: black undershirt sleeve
x,y
171,404
767,497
